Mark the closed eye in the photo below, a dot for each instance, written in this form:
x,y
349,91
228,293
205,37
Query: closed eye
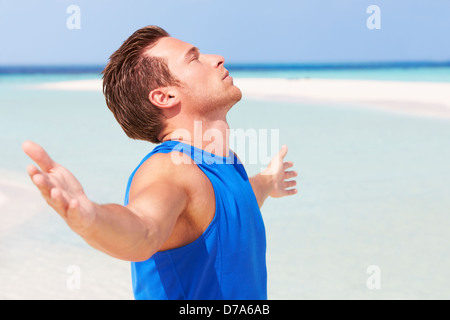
x,y
195,57
193,54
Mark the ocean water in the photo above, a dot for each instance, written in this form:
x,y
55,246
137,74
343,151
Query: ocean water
x,y
434,74
372,192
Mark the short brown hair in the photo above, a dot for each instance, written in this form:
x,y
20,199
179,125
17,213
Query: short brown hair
x,y
129,77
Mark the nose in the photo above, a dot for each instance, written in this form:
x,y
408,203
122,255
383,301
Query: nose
x,y
216,60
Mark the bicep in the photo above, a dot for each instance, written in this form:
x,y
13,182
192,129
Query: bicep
x,y
159,205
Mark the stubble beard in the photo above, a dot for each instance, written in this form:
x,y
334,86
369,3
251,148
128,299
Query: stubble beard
x,y
214,105
232,97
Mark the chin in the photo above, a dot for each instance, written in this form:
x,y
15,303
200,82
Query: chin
x,y
225,101
234,97
238,94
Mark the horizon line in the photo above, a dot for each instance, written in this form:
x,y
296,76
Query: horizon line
x,y
238,66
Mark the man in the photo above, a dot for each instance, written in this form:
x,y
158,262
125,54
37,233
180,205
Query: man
x,y
191,224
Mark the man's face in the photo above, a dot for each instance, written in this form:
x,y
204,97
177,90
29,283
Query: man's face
x,y
205,83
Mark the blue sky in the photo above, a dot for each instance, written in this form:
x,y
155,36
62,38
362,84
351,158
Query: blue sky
x,y
277,31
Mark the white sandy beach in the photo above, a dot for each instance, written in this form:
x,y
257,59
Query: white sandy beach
x,y
418,98
15,188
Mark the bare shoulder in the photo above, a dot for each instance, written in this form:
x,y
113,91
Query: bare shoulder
x,y
162,177
174,169
162,167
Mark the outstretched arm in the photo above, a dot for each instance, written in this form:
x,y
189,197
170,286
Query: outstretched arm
x,y
274,180
131,233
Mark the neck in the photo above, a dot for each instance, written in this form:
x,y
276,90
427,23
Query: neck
x,y
211,135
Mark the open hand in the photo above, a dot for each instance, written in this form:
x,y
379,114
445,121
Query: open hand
x,y
60,188
277,170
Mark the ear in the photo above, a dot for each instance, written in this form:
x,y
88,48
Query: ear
x,y
165,97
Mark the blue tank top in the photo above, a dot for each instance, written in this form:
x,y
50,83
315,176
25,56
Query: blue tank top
x,y
228,261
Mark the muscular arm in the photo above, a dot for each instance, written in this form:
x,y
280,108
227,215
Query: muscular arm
x,y
137,231
273,181
130,233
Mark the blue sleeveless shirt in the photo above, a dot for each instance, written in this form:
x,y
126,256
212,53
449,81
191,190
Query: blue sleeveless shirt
x,y
228,261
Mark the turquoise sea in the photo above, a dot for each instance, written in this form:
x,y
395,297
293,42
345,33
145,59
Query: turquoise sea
x,y
373,191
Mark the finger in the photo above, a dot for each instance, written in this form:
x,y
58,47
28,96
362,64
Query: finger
x,y
289,184
38,155
288,164
290,192
73,211
283,151
38,179
290,174
58,202
44,185
32,170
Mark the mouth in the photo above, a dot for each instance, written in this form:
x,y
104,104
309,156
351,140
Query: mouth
x,y
227,75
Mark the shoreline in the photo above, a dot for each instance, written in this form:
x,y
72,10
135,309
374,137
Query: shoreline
x,y
415,98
